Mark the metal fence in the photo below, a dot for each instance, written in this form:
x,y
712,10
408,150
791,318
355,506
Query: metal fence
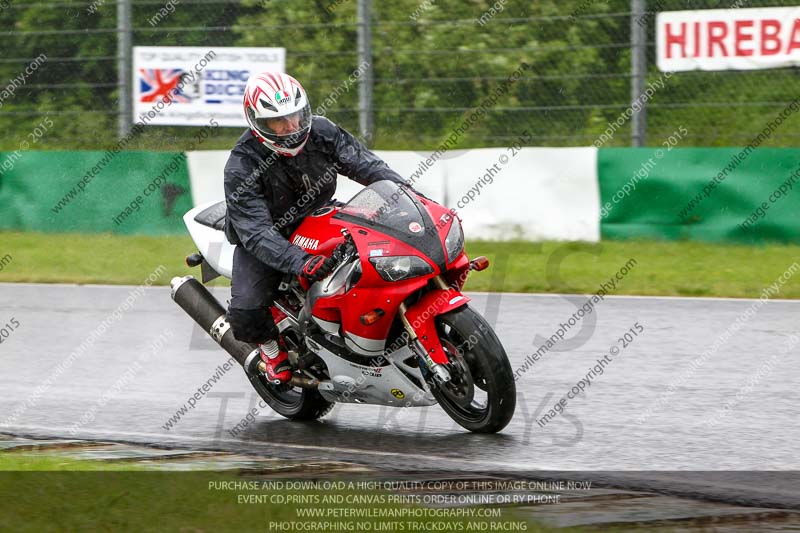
x,y
424,67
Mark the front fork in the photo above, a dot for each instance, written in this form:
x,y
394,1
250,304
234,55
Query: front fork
x,y
421,326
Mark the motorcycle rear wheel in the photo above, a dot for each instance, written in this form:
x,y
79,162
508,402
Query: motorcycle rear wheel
x,y
481,396
295,403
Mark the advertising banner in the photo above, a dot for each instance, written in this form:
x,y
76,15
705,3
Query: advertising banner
x,y
728,39
188,86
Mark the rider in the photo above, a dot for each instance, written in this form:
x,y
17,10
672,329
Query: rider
x,y
281,169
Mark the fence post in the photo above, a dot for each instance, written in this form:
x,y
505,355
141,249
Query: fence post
x,y
638,70
124,65
365,118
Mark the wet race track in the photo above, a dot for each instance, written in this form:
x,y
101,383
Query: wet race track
x,y
704,384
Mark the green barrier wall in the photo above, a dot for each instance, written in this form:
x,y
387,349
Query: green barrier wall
x,y
644,193
146,192
669,202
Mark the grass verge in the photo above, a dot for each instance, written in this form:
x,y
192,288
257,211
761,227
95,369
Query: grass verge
x,y
80,500
659,268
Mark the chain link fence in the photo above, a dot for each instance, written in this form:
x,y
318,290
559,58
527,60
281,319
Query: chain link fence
x,y
434,62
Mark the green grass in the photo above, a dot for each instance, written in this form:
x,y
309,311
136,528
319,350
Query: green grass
x,y
34,498
662,268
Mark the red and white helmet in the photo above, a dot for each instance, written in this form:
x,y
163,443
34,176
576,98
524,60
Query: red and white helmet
x,y
278,111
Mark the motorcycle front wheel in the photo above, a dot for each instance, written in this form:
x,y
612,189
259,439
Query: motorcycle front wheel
x,y
481,394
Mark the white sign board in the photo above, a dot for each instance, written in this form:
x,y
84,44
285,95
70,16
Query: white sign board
x,y
728,39
188,85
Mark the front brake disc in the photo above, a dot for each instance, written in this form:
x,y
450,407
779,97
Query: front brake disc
x,y
461,387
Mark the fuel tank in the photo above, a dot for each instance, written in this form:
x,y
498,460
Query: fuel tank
x,y
319,233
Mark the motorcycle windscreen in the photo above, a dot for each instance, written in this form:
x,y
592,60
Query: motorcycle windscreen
x,y
384,203
389,208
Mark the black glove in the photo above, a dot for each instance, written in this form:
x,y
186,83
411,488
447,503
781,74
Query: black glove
x,y
317,267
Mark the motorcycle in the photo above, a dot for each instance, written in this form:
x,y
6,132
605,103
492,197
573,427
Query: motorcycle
x,y
389,326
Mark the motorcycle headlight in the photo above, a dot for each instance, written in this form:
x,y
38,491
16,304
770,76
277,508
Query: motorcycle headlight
x,y
454,242
396,268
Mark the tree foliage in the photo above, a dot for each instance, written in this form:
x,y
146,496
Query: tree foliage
x,y
434,61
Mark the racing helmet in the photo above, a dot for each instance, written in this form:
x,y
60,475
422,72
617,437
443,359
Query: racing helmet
x,y
278,112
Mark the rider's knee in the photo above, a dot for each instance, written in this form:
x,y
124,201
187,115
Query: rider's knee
x,y
252,325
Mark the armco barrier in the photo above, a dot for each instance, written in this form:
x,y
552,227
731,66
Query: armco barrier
x,y
698,194
95,192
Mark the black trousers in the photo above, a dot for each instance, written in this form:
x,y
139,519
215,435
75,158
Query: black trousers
x,y
253,288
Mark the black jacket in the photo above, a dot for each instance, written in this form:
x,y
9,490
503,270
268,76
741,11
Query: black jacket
x,y
268,195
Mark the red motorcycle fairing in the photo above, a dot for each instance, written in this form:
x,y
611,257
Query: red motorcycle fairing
x,y
371,293
457,272
421,316
320,233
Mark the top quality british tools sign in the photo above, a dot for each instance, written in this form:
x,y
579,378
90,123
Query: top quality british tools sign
x,y
187,86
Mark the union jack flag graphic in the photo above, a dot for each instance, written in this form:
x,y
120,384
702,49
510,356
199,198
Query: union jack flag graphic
x,y
158,84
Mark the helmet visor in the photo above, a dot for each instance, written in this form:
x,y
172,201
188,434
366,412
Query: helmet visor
x,y
288,130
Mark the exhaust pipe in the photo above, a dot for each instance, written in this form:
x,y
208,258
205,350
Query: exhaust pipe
x,y
193,297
